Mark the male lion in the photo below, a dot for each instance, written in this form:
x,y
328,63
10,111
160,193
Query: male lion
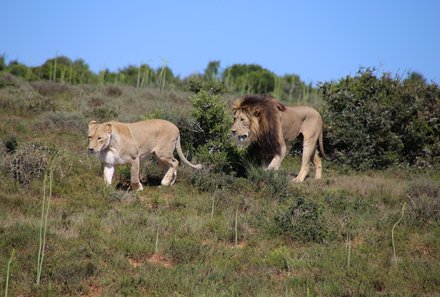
x,y
272,126
128,143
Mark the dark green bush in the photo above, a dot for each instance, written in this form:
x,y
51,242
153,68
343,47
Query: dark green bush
x,y
211,132
374,122
10,144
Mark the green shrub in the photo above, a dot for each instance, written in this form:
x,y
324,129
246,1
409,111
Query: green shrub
x,y
280,258
7,80
374,122
28,162
424,200
303,221
102,113
63,121
186,250
113,91
206,180
196,84
211,133
50,88
274,184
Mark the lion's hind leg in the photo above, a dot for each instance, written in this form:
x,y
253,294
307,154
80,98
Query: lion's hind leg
x,y
309,148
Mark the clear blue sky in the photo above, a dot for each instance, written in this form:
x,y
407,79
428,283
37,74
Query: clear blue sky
x,y
318,40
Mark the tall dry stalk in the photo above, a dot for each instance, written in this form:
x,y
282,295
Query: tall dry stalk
x,y
7,272
156,246
236,226
43,221
392,232
348,249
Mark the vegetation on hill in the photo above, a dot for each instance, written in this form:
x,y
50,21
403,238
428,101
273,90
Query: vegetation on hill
x,y
238,78
231,228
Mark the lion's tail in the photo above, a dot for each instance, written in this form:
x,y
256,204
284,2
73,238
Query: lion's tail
x,y
321,147
182,156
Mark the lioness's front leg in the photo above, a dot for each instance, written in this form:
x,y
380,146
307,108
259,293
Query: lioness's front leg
x,y
109,170
134,175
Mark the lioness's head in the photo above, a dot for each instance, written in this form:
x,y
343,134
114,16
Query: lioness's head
x,y
99,136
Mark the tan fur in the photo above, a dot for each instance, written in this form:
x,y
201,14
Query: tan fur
x,y
273,127
128,143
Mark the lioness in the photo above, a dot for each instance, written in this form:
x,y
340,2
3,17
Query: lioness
x,y
127,143
272,126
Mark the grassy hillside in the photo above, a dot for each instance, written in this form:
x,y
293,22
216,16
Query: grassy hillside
x,y
210,234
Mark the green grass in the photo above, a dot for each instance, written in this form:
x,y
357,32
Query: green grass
x,y
196,239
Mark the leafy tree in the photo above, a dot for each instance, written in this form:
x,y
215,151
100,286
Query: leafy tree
x,y
212,70
63,69
128,75
2,62
251,78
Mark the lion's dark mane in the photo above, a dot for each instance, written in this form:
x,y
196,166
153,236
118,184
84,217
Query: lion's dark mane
x,y
267,137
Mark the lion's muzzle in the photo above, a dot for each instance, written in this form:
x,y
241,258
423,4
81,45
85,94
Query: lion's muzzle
x,y
242,138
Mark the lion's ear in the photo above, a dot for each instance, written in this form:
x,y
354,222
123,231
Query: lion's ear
x,y
108,128
235,105
92,123
257,111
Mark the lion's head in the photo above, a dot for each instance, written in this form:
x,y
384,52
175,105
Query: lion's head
x,y
257,120
99,136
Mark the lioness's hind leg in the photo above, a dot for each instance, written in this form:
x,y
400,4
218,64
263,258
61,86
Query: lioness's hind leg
x,y
135,182
318,165
170,176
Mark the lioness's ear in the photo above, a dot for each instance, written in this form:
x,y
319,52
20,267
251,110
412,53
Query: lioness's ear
x,y
108,128
91,124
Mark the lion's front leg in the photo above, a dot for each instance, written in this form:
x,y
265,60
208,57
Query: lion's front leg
x,y
277,159
275,163
134,175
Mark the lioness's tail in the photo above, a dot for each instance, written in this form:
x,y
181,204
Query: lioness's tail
x,y
182,156
321,148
